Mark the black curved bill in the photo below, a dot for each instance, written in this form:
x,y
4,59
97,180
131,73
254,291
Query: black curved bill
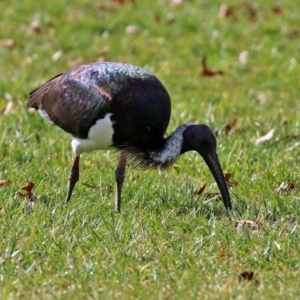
x,y
214,165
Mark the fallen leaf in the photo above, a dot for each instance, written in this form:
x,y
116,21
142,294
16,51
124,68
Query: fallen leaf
x,y
157,19
122,2
216,133
230,125
265,138
251,10
227,177
226,11
247,276
109,187
4,182
91,186
28,188
284,121
171,19
135,179
208,73
284,187
34,27
200,190
229,11
249,223
277,10
223,252
29,194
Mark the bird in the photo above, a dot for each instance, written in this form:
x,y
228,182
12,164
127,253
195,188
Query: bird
x,y
122,107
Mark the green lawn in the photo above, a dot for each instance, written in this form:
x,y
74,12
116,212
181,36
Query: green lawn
x,y
167,243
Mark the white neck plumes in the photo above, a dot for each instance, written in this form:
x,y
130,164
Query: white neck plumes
x,y
172,148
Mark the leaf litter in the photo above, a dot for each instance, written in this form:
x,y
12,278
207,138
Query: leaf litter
x,y
28,192
209,197
265,138
207,72
4,182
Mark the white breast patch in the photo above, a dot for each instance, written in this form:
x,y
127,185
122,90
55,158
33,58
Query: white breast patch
x,y
99,137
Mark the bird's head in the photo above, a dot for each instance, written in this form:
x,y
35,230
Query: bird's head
x,y
200,138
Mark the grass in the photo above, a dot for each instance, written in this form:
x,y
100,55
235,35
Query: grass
x,y
167,243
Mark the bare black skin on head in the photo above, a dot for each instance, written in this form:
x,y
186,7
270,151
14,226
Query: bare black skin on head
x,y
201,139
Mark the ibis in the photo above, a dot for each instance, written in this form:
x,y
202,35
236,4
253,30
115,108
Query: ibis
x,y
122,107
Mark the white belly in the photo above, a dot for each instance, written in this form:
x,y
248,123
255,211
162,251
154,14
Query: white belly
x,y
99,137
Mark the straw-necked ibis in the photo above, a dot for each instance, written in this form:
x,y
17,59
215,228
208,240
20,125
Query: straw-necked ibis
x,y
122,107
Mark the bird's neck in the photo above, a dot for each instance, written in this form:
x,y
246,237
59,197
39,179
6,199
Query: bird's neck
x,y
171,150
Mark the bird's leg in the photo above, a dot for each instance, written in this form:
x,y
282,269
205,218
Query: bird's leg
x,y
73,178
119,176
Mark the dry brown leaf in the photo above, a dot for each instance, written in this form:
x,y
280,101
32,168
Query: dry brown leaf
x,y
227,177
29,194
158,19
284,187
208,73
277,10
200,191
251,10
230,125
91,186
230,11
135,179
28,188
226,11
247,276
284,121
4,182
223,252
216,133
109,187
34,27
122,2
266,137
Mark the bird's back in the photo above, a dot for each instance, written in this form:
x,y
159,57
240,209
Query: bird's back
x,y
137,101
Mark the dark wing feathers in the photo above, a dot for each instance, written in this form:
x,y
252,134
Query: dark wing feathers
x,y
71,104
139,103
